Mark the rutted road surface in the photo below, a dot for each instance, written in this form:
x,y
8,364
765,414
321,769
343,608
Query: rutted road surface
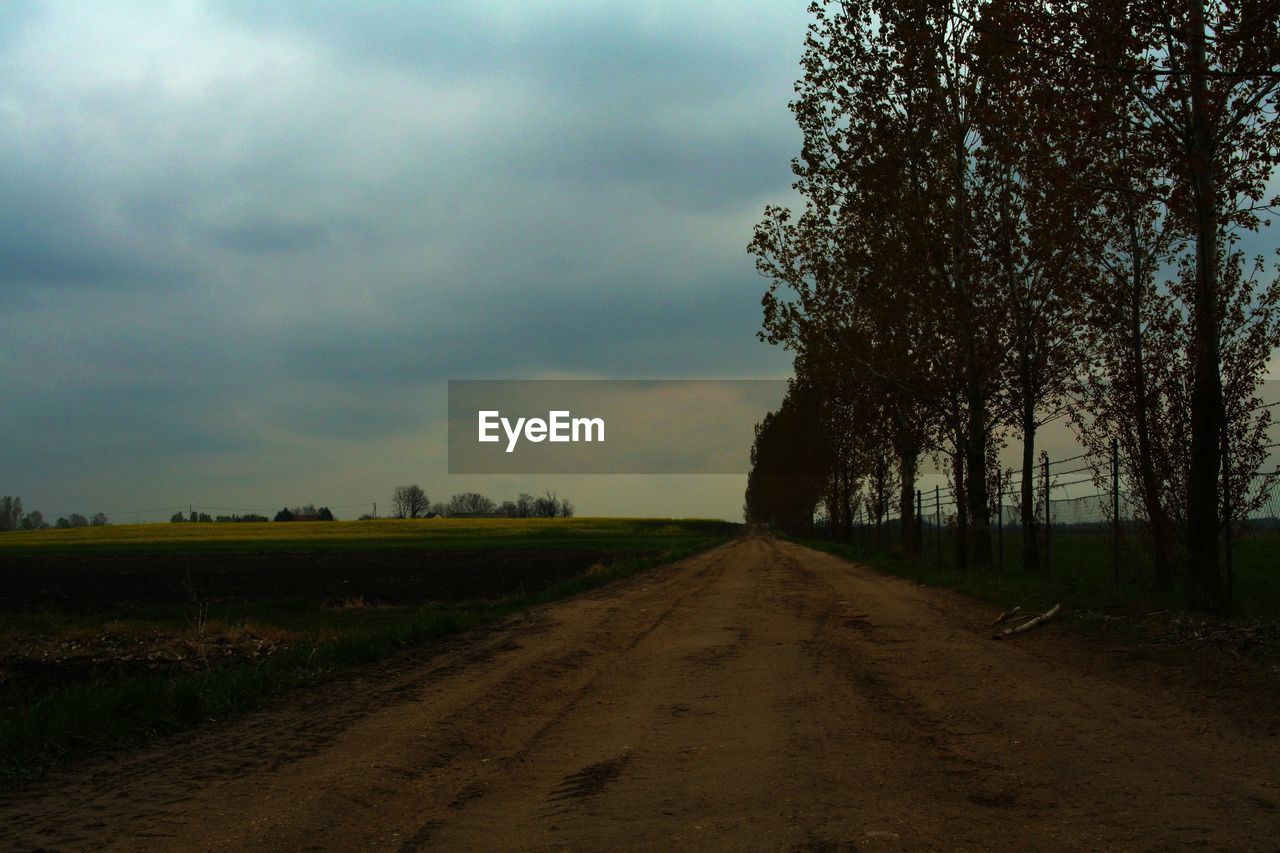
x,y
760,696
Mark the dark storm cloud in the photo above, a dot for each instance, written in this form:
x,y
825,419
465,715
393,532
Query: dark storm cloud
x,y
528,332
49,237
625,97
685,165
610,54
268,236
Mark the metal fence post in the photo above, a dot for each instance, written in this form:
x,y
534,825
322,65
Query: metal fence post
x,y
1048,510
919,523
937,520
999,521
1000,533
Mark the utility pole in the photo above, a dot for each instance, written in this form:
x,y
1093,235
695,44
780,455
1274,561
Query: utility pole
x,y
375,509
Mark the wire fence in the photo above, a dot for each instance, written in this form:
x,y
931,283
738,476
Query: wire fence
x,y
1098,533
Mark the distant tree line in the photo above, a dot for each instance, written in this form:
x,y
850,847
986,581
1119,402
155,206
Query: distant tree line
x,y
13,518
412,502
305,513
1015,212
298,513
407,502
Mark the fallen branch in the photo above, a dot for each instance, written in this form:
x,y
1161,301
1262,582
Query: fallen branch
x,y
1029,624
1007,615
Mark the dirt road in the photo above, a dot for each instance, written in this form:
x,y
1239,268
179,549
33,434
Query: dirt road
x,y
760,696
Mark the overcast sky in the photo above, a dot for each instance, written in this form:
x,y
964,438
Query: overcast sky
x,y
244,244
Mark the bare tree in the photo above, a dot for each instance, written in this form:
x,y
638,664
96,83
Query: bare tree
x,y
409,501
470,503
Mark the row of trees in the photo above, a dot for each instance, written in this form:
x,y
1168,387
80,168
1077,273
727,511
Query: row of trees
x,y
1015,212
13,518
412,502
407,502
298,513
304,513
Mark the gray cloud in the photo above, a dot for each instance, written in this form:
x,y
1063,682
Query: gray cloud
x,y
236,236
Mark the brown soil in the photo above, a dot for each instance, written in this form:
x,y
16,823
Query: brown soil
x,y
760,696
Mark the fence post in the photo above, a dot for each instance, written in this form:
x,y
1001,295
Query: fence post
x,y
1048,510
1000,522
937,520
1115,509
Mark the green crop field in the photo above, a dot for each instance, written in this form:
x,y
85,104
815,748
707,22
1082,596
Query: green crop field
x,y
113,634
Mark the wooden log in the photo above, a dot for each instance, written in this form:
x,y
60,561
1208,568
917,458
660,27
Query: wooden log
x,y
1029,624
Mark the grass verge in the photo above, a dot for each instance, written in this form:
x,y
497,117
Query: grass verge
x,y
1244,650
1031,591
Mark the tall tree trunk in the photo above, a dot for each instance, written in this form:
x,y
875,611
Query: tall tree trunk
x,y
976,477
907,460
1157,514
962,509
882,497
1030,552
846,501
1206,395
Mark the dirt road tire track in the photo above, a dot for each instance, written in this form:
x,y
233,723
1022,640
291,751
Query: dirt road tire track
x,y
760,696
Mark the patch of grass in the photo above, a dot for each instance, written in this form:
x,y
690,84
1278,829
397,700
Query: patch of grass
x,y
1031,591
45,728
1153,624
1081,574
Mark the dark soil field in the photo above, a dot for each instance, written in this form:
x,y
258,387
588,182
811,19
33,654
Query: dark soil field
x,y
83,583
111,635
